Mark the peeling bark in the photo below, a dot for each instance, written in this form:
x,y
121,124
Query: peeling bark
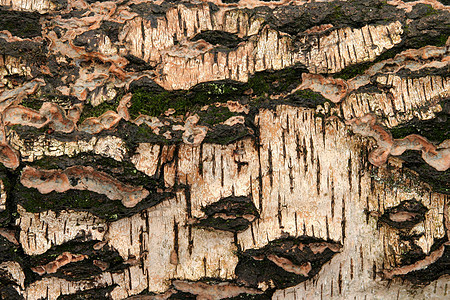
x,y
260,149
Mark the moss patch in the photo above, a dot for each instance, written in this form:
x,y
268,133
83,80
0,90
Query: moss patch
x,y
90,111
100,205
133,134
275,82
215,115
32,103
155,102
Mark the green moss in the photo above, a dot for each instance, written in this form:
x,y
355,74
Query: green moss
x,y
309,94
145,134
337,13
152,104
274,82
215,115
430,10
306,98
155,103
90,111
33,202
259,86
32,103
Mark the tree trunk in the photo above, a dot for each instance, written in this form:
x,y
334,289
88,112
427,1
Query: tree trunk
x,y
224,149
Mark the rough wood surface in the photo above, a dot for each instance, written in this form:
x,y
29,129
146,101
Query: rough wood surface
x,y
224,149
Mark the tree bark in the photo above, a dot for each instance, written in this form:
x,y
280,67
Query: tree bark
x,y
224,149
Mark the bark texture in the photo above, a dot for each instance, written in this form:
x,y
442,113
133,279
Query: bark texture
x,y
224,149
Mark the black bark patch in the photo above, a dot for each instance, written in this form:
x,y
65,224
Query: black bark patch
x,y
91,294
439,181
177,295
435,130
31,134
89,40
413,253
9,179
133,134
20,23
406,73
445,2
69,69
136,64
356,14
11,252
8,292
8,251
24,49
224,134
93,1
305,98
111,29
254,267
405,215
145,83
429,27
218,37
76,13
266,296
59,4
84,269
151,12
97,204
228,214
182,296
433,271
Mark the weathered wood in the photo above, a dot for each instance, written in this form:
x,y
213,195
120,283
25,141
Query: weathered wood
x,y
258,149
